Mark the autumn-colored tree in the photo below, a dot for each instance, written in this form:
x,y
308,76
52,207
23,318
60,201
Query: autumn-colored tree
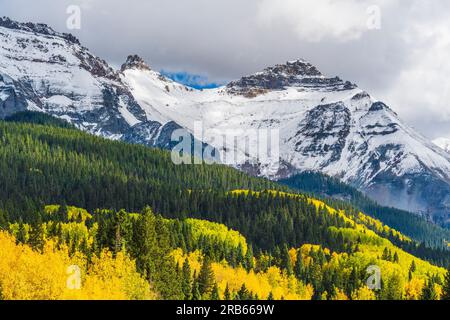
x,y
393,288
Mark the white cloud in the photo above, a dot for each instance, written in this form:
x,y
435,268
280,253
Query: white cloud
x,y
422,91
320,19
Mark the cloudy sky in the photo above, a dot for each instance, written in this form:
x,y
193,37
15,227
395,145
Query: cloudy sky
x,y
397,50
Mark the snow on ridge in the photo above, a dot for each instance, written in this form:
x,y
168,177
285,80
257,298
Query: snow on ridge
x,y
443,143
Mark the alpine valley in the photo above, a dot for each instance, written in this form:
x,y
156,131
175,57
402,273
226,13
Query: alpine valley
x,y
93,207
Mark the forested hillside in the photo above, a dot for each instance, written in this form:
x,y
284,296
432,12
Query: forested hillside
x,y
48,164
145,256
197,232
341,195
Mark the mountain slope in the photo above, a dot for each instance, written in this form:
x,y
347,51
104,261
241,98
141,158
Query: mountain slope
x,y
43,70
443,143
324,124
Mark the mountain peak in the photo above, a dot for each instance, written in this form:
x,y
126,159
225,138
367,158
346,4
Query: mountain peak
x,y
135,62
296,73
39,28
299,68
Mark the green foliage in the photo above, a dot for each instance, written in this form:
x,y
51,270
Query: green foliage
x,y
46,164
38,118
429,291
446,286
409,224
151,248
186,284
434,246
206,279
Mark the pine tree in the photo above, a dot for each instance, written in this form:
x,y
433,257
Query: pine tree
x,y
396,258
446,286
243,293
392,289
215,293
151,248
429,291
286,259
37,237
187,280
249,264
386,254
412,269
118,245
205,278
227,294
270,297
22,235
298,268
196,295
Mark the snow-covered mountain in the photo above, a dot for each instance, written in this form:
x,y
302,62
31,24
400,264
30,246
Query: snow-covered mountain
x,y
443,143
47,71
324,124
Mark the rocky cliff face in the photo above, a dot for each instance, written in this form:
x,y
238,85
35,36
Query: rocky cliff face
x,y
324,124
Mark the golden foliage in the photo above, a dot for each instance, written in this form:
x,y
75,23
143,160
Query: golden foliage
x,y
363,293
218,231
263,283
29,275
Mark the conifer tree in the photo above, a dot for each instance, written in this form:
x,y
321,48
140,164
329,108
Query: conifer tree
x,y
429,291
37,239
196,295
396,258
286,259
249,264
227,294
243,293
446,286
187,280
205,278
412,269
215,293
298,268
22,235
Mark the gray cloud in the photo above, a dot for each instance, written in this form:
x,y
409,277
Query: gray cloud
x,y
405,63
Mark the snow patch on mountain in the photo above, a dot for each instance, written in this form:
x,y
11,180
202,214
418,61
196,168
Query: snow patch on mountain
x,y
443,143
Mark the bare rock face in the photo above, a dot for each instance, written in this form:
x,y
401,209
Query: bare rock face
x,y
134,61
297,73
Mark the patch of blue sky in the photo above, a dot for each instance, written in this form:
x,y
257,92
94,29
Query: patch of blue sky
x,y
191,80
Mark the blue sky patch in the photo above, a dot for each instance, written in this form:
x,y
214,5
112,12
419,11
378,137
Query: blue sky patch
x,y
191,80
